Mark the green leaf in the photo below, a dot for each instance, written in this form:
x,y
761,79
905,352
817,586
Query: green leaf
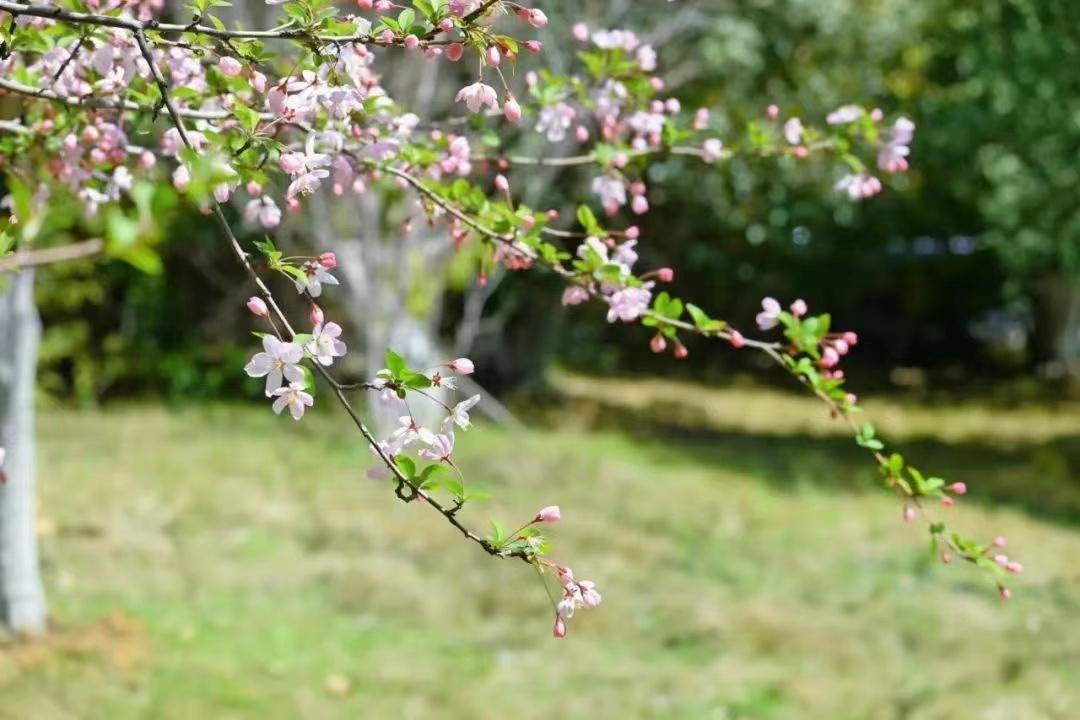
x,y
395,363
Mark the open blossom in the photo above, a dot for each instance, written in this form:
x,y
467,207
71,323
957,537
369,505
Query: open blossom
x,y
859,185
628,304
769,316
574,295
793,131
459,414
844,115
554,120
440,448
294,398
315,276
409,432
278,360
611,190
264,211
477,95
324,344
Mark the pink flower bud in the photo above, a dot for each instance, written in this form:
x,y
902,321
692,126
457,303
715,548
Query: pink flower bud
x,y
365,4
909,513
773,112
851,399
947,501
581,133
829,358
502,184
446,25
1002,560
534,46
680,351
411,42
665,274
946,558
658,344
386,36
1004,592
462,366
580,32
454,51
559,630
230,66
1015,568
851,338
537,18
999,542
512,110
798,308
328,260
958,487
633,232
493,56
549,514
257,307
736,338
147,160
316,315
639,204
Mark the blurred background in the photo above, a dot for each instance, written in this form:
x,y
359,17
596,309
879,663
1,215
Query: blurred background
x,y
203,558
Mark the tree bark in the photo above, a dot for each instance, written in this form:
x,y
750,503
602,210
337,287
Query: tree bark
x,y
22,598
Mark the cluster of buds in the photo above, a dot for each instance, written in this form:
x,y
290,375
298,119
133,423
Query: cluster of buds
x,y
576,594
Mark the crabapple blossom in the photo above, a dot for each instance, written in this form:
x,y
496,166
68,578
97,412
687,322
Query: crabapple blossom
x,y
441,447
294,398
257,307
324,345
477,95
315,275
628,304
769,315
548,514
459,414
462,366
278,360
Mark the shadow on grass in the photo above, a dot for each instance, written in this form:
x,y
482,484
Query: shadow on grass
x,y
1042,478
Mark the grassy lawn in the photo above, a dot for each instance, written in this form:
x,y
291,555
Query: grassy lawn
x,y
224,563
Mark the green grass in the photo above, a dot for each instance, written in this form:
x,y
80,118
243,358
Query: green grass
x,y
224,563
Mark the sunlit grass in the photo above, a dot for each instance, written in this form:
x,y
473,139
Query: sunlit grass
x,y
227,563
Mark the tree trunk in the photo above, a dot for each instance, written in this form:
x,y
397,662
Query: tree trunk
x,y
22,599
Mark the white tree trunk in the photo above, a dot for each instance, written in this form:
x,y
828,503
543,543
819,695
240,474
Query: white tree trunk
x,y
22,599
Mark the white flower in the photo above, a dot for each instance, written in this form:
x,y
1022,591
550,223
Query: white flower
x,y
295,398
712,149
628,304
441,447
324,344
315,276
408,433
459,415
859,185
793,131
844,115
769,316
477,95
263,210
279,360
610,190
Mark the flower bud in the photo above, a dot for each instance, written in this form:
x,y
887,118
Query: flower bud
x,y
559,630
658,344
512,110
230,66
502,184
680,351
958,487
257,307
736,339
328,260
411,42
665,274
999,542
316,315
909,513
772,112
493,56
549,514
565,608
462,366
798,308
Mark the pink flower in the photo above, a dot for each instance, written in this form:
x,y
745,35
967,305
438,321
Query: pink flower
x,y
278,361
958,487
772,112
574,295
512,110
294,398
257,307
441,447
549,514
859,186
798,308
230,66
590,598
830,358
454,51
462,366
477,95
769,316
628,304
324,344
